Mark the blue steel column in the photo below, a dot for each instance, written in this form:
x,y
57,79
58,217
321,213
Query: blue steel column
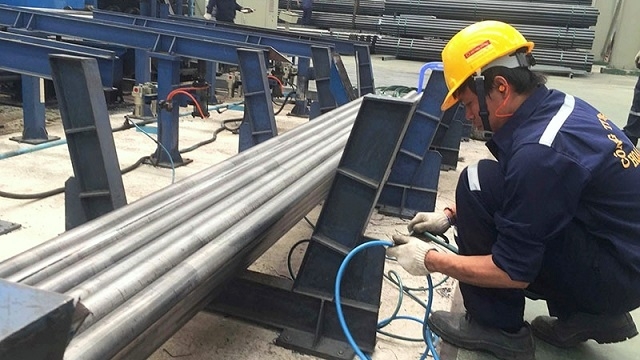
x,y
168,78
259,122
143,74
34,130
300,108
211,78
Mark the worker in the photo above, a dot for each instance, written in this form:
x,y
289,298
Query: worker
x,y
307,10
225,10
632,129
556,217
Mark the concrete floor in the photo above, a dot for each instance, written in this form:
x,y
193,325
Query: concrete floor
x,y
211,336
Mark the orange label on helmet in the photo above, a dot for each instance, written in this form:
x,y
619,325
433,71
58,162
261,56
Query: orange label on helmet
x,y
481,46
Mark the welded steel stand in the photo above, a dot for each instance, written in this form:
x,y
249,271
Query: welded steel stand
x,y
96,187
413,183
36,324
34,131
448,137
364,70
305,308
259,122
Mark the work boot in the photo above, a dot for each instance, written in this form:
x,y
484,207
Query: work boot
x,y
581,327
462,331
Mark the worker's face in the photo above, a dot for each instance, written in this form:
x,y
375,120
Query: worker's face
x,y
472,108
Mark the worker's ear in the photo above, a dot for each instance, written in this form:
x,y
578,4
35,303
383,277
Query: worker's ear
x,y
501,84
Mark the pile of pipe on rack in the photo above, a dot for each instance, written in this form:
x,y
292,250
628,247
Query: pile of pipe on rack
x,y
145,269
414,29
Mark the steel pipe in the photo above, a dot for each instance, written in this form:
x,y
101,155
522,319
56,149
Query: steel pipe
x,y
109,289
226,254
85,261
135,215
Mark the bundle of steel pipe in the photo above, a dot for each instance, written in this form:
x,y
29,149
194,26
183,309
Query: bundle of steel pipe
x,y
565,2
327,20
143,273
430,49
516,12
364,7
417,26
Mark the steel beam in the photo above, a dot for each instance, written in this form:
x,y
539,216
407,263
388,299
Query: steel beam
x,y
342,47
283,44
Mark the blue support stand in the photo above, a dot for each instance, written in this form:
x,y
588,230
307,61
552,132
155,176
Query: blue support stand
x,y
448,137
34,131
365,70
413,183
167,153
259,122
96,187
341,87
322,65
362,171
305,308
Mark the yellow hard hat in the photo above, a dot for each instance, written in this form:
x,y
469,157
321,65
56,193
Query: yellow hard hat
x,y
475,47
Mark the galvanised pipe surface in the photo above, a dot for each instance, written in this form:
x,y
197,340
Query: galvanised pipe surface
x,y
160,331
135,215
85,262
104,292
225,255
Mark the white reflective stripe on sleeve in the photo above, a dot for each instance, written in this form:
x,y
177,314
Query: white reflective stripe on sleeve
x,y
634,113
556,123
472,177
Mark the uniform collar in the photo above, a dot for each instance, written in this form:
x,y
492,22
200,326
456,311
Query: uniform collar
x,y
503,138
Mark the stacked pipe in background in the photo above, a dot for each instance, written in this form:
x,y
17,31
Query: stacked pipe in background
x,y
145,269
415,29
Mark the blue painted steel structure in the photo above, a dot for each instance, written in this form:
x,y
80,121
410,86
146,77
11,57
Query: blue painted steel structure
x,y
413,183
28,55
258,104
283,42
96,187
165,46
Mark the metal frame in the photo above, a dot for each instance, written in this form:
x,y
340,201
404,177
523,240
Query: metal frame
x,y
159,44
28,56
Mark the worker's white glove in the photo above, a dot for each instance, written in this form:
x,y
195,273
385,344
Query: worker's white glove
x,y
207,16
433,222
410,252
246,10
638,60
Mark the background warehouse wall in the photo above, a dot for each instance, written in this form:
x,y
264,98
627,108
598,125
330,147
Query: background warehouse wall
x,y
626,30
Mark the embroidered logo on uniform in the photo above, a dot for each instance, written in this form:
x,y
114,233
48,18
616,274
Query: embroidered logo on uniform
x,y
481,46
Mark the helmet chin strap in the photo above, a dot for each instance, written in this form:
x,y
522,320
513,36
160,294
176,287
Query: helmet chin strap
x,y
482,101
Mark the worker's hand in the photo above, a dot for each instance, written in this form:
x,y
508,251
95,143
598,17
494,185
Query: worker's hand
x,y
246,10
410,253
433,222
207,16
638,60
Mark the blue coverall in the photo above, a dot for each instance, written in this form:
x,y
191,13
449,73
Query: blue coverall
x,y
560,209
225,9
